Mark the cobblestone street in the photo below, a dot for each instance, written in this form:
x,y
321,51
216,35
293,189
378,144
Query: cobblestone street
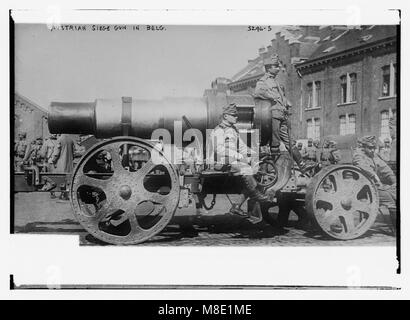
x,y
36,213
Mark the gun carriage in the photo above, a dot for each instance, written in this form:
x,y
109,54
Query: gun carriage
x,y
135,195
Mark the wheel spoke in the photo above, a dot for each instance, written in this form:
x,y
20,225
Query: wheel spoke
x,y
135,227
106,209
155,197
340,183
116,160
358,185
328,197
361,206
146,168
92,182
349,221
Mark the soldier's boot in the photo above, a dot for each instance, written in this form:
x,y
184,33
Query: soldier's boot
x,y
302,164
251,187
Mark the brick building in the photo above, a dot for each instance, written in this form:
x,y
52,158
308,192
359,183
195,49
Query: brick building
x,y
341,80
29,117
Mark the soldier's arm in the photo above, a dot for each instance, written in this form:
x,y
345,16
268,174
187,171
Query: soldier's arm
x,y
385,172
264,92
360,161
28,152
56,152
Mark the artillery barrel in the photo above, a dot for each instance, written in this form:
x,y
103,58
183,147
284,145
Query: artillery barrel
x,y
133,117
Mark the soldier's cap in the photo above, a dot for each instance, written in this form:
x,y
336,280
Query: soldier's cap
x,y
310,140
386,140
271,61
367,141
316,141
24,134
230,109
300,144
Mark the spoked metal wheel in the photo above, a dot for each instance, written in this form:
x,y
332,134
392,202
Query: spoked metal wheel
x,y
122,200
267,174
342,201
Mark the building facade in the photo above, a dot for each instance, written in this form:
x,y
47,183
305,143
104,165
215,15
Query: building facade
x,y
29,117
341,80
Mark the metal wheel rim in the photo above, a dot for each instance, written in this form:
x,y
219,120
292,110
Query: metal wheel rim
x,y
124,177
349,217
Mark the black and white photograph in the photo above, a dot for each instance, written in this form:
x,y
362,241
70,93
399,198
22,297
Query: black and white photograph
x,y
294,144
218,141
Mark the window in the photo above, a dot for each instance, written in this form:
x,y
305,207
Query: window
x,y
353,86
389,80
347,124
348,87
314,96
310,95
318,99
343,93
386,81
313,128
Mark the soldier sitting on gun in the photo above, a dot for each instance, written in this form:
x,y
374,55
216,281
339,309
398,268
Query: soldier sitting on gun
x,y
268,88
365,158
231,155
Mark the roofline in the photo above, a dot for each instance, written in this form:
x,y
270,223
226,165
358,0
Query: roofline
x,y
255,77
31,102
367,46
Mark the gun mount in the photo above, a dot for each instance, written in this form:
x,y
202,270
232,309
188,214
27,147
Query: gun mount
x,y
125,189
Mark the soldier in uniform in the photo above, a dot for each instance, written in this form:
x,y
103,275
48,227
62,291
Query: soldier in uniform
x,y
20,148
329,153
310,153
365,158
47,151
231,155
300,147
268,88
33,152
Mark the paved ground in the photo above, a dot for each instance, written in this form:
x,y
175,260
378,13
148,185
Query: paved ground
x,y
37,213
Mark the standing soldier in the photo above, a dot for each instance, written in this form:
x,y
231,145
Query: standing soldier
x,y
378,171
231,155
20,148
47,152
310,153
329,153
33,152
63,157
268,88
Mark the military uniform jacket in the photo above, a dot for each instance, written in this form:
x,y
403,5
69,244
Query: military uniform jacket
x,y
268,88
226,146
374,167
48,148
329,156
310,153
63,154
21,148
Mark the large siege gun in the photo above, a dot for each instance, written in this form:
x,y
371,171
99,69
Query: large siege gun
x,y
135,193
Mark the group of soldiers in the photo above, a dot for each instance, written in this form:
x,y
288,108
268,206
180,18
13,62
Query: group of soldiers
x,y
54,155
326,155
313,156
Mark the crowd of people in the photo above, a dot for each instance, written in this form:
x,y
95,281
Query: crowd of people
x,y
55,154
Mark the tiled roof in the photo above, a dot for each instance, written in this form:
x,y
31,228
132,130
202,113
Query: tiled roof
x,y
349,39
